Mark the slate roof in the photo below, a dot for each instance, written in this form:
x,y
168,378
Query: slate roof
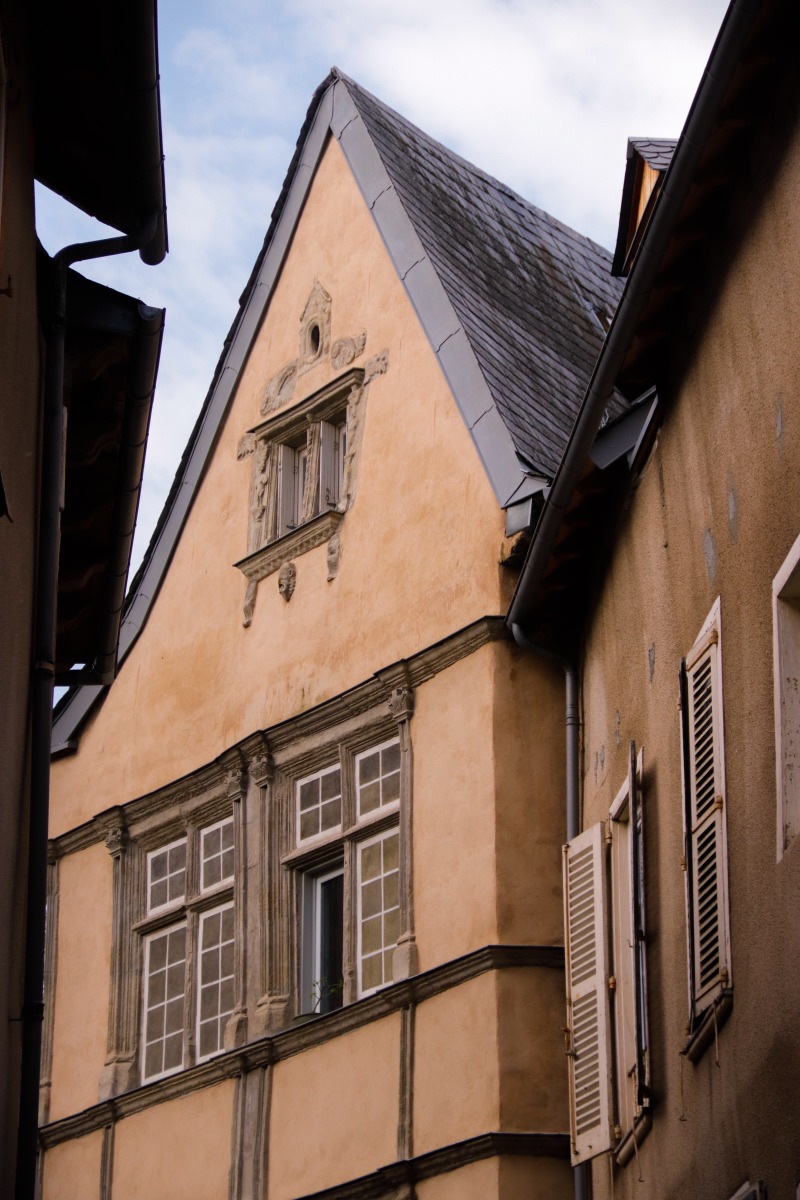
x,y
656,152
532,294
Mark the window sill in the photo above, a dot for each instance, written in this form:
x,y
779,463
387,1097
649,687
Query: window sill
x,y
269,558
708,1024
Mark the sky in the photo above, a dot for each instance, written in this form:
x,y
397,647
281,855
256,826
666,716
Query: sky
x,y
542,94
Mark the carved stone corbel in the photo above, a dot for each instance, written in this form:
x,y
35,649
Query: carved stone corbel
x,y
401,703
346,350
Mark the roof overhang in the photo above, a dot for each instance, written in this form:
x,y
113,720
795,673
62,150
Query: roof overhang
x,y
97,114
112,350
733,99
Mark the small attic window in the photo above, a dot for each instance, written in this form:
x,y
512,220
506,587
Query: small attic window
x,y
314,340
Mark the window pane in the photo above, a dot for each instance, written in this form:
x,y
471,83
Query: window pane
x,y
378,778
165,984
216,861
166,875
158,866
216,979
319,804
378,909
158,893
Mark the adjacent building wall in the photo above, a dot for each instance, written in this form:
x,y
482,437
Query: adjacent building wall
x,y
715,514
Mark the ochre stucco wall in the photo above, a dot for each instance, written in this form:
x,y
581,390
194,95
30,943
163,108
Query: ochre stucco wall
x,y
180,1149
532,1080
454,834
334,1111
82,979
420,545
72,1170
456,1084
716,512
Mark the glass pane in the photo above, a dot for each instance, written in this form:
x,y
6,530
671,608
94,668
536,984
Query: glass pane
x,y
309,824
332,814
391,927
157,958
371,972
212,842
226,967
158,866
309,794
227,925
152,1060
173,1051
208,1002
370,797
177,944
391,849
371,861
174,1018
390,759
175,981
212,872
387,965
369,768
156,990
177,857
177,885
390,890
209,969
211,928
227,862
371,935
158,894
208,1038
155,1025
371,898
331,784
226,997
227,835
391,788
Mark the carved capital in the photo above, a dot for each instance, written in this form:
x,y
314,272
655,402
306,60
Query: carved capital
x,y
116,838
262,769
247,444
401,703
235,783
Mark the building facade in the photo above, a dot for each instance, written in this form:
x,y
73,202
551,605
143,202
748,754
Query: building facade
x,y
305,858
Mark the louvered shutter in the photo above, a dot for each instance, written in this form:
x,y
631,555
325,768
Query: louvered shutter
x,y
328,493
287,518
636,819
588,1016
705,818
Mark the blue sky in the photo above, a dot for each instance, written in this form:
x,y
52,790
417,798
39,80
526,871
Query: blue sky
x,y
540,93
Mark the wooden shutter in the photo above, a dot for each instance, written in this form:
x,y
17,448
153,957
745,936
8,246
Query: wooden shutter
x,y
705,822
636,819
588,1016
328,474
287,518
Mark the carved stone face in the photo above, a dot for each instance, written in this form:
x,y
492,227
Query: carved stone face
x,y
287,577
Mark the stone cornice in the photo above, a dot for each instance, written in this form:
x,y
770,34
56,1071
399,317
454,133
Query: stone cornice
x,y
267,559
211,781
272,1048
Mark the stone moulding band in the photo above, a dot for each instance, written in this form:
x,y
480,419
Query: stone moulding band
x,y
272,1048
269,558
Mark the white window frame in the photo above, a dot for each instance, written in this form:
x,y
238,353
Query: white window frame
x,y
332,830
361,847
203,917
148,943
786,685
224,880
188,912
153,854
702,851
392,805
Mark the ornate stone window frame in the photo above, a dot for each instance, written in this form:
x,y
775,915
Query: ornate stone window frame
x,y
292,863
149,825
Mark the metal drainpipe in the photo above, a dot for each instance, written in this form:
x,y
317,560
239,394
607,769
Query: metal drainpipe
x,y
582,1180
42,680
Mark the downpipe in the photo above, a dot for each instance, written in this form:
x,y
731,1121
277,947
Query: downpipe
x,y
581,1174
42,683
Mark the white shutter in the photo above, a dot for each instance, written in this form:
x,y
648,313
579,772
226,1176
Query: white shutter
x,y
328,491
706,821
287,518
588,1015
